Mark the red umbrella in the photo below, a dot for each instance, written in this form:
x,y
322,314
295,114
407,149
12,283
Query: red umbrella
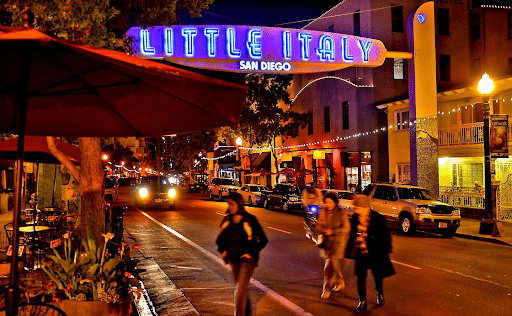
x,y
305,172
264,172
286,171
36,150
78,90
54,87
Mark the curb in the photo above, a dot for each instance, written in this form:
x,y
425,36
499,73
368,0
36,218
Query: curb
x,y
160,296
483,238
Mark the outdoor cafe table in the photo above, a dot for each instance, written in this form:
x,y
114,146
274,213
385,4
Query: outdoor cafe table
x,y
36,231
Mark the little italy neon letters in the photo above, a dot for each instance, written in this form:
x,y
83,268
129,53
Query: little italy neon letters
x,y
256,49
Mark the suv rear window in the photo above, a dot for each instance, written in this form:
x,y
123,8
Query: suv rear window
x,y
368,189
225,182
415,194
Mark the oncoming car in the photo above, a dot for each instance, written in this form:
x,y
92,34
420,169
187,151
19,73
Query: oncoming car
x,y
155,191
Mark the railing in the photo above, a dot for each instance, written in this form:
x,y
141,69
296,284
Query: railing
x,y
465,134
462,197
461,134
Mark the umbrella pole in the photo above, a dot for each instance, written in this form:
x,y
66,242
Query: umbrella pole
x,y
13,290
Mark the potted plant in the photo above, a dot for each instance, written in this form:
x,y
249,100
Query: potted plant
x,y
91,280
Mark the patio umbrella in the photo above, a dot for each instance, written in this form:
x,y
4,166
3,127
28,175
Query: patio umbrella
x,y
286,171
54,87
36,150
305,172
264,172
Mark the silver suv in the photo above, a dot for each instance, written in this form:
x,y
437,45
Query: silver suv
x,y
222,187
411,207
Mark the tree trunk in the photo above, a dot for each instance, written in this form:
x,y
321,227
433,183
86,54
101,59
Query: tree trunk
x,y
92,186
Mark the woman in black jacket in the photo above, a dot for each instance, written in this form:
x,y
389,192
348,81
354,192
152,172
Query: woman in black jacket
x,y
240,241
369,244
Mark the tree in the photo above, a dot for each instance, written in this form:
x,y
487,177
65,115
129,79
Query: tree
x,y
101,23
186,150
266,113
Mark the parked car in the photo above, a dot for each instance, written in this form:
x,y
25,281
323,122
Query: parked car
x,y
222,187
345,198
412,207
252,193
149,193
111,192
124,182
286,196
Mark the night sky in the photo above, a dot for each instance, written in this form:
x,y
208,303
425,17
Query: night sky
x,y
262,12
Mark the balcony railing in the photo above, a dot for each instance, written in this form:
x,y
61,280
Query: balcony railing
x,y
462,197
465,134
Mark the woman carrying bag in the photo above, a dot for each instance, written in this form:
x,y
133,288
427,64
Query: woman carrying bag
x,y
369,244
333,230
240,240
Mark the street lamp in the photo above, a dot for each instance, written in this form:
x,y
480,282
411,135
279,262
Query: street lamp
x,y
485,87
238,142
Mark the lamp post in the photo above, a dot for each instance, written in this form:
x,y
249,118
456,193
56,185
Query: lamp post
x,y
485,87
238,142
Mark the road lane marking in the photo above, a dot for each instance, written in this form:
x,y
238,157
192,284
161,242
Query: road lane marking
x,y
279,230
274,295
469,276
186,268
406,265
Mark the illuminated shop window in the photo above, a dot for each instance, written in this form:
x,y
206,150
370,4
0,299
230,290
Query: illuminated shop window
x,y
401,119
464,175
403,173
398,69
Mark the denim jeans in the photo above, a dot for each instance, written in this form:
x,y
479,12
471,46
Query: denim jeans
x,y
242,272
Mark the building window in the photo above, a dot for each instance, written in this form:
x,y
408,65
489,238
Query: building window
x,y
344,108
401,119
443,21
444,65
398,69
397,19
310,122
327,120
510,26
403,173
465,175
475,27
357,23
476,66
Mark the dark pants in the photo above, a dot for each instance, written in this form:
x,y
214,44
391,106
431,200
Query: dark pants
x,y
242,272
362,266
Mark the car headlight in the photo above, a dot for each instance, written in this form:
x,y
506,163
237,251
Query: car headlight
x,y
422,210
456,212
143,193
172,193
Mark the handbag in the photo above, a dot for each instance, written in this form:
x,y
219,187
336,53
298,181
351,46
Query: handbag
x,y
323,241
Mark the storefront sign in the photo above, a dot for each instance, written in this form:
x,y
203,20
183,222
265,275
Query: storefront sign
x,y
498,140
319,154
239,48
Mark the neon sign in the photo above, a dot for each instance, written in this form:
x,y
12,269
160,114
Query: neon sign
x,y
256,49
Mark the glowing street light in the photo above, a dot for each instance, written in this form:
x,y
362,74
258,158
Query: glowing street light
x,y
485,87
104,157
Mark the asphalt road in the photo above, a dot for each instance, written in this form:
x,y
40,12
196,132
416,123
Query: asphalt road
x,y
435,275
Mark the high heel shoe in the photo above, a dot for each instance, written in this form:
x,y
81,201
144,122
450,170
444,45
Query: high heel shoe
x,y
361,306
380,299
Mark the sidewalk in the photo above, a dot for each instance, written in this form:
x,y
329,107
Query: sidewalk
x,y
469,228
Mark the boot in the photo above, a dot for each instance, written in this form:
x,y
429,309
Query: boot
x,y
380,299
361,306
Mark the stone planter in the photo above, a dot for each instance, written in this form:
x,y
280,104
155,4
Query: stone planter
x,y
90,308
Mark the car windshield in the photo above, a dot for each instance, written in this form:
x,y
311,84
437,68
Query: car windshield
x,y
292,190
153,180
255,188
226,182
415,194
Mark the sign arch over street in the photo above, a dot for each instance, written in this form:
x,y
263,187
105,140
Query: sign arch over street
x,y
248,49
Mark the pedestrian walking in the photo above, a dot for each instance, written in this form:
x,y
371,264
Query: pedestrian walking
x,y
369,244
240,240
333,228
